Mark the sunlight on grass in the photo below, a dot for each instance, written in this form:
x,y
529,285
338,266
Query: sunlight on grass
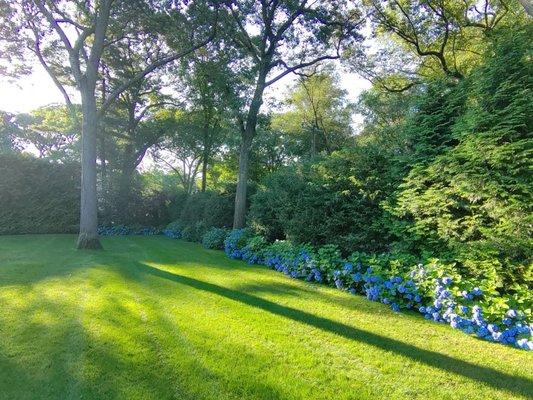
x,y
157,318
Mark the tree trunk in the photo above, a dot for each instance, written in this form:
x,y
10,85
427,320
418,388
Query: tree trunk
x,y
204,171
88,237
104,186
247,134
242,182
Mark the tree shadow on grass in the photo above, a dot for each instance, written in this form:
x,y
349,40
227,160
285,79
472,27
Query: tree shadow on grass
x,y
62,359
298,289
491,377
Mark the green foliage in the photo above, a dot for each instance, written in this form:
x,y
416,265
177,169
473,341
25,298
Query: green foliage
x,y
474,201
52,131
197,213
213,209
319,117
194,232
37,196
9,133
335,200
441,172
214,238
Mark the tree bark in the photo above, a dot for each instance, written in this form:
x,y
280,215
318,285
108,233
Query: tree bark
x,y
239,218
204,171
247,134
205,156
88,237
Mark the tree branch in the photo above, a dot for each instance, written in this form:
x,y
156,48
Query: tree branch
x,y
153,66
294,68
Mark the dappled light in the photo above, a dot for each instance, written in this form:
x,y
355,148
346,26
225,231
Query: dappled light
x,y
131,323
273,200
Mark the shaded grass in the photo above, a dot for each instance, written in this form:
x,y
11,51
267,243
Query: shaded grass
x,y
154,318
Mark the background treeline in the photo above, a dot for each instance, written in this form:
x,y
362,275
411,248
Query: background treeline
x,y
440,165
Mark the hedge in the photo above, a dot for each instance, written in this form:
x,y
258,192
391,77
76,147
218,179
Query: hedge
x,y
38,196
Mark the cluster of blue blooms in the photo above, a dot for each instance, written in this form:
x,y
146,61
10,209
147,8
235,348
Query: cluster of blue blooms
x,y
118,230
123,230
438,299
231,243
172,233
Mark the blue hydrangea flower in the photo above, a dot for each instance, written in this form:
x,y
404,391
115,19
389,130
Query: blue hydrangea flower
x,y
525,344
447,281
467,295
482,332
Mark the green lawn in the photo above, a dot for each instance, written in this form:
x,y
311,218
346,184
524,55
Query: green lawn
x,y
155,318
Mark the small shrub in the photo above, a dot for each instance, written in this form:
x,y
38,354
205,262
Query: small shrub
x,y
173,230
194,232
214,238
123,230
235,241
253,251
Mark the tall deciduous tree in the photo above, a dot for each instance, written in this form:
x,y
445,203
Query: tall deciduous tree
x,y
277,39
81,31
319,115
51,132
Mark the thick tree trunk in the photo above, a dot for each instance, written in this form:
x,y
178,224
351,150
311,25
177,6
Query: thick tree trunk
x,y
242,182
247,135
88,237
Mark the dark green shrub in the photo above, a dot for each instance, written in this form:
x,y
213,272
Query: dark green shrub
x,y
194,233
335,200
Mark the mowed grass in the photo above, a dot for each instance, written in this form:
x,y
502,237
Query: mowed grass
x,y
155,318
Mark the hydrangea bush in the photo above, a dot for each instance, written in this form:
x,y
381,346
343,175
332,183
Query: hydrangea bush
x,y
214,238
436,290
173,230
123,230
